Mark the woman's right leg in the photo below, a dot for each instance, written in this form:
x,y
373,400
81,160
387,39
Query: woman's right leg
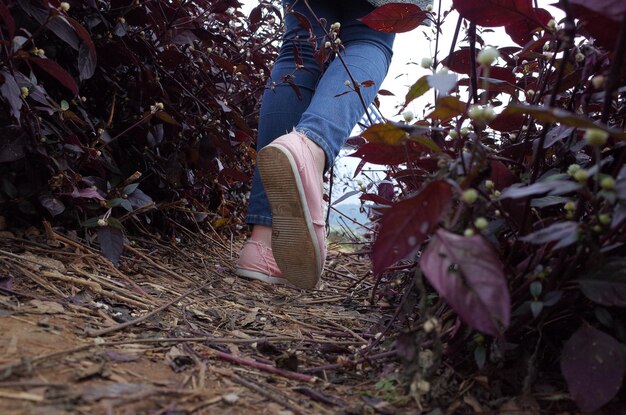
x,y
287,96
288,93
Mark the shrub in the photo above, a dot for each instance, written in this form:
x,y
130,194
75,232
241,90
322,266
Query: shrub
x,y
513,188
109,109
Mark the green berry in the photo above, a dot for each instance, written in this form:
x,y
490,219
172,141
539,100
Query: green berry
x,y
608,183
469,196
481,223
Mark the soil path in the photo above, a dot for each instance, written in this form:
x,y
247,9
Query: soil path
x,y
173,331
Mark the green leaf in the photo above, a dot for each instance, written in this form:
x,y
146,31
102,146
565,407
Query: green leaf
x,y
536,288
418,89
447,107
130,188
91,222
480,356
386,133
115,223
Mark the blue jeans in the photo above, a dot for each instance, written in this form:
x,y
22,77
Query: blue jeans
x,y
317,108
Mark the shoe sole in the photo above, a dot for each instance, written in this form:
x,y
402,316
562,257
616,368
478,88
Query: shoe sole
x,y
294,241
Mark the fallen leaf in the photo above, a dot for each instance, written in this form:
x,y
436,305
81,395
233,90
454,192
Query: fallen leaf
x,y
45,307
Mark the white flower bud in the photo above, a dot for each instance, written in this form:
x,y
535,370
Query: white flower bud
x,y
426,62
65,6
488,56
102,222
580,57
408,116
598,81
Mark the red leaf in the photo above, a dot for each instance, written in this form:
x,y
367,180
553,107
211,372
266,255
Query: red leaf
x,y
609,9
501,175
493,13
507,121
593,365
5,14
395,18
521,30
468,274
56,71
255,15
407,223
385,154
460,61
598,25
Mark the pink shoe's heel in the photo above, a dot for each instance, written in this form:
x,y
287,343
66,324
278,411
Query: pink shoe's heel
x,y
257,262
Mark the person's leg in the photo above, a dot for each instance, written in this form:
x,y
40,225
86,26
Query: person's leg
x,y
331,116
287,96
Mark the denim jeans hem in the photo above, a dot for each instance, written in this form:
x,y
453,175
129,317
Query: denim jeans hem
x,y
259,220
320,141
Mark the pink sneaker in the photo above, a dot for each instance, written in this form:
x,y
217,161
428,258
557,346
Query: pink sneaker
x,y
257,262
294,190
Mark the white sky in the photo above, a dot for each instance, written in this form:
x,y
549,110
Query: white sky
x,y
409,49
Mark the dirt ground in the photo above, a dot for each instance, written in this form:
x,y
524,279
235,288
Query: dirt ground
x,y
173,331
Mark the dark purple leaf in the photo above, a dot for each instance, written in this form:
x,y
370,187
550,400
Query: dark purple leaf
x,y
87,58
345,196
467,273
6,281
10,90
566,233
54,205
547,201
88,193
111,241
395,18
11,144
593,365
407,223
6,16
553,188
557,134
385,154
620,185
406,346
139,199
570,119
606,285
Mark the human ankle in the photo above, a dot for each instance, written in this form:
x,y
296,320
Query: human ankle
x,y
261,233
318,154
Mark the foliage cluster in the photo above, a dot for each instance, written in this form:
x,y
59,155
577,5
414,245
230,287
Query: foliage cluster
x,y
113,111
509,198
